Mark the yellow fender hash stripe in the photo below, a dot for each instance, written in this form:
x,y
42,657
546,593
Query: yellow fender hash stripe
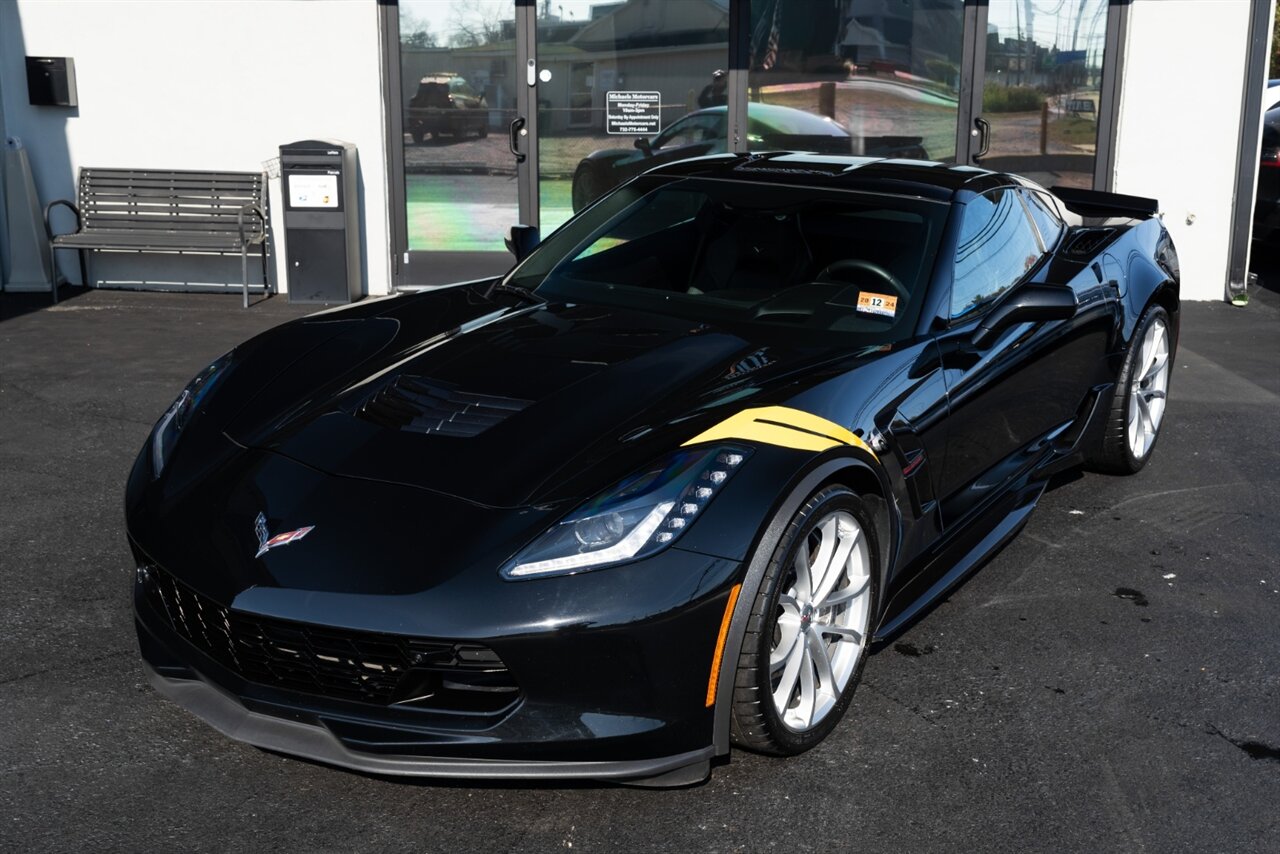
x,y
785,427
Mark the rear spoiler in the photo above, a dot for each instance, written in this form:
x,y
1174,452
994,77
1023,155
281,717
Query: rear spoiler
x,y
1100,204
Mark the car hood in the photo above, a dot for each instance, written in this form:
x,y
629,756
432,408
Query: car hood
x,y
505,406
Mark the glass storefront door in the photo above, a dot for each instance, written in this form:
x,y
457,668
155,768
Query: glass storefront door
x,y
1042,89
622,88
882,76
523,111
462,89
516,111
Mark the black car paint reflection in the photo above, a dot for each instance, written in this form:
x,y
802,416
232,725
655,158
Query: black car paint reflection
x,y
431,438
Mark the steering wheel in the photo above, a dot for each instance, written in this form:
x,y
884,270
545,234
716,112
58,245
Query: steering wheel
x,y
832,273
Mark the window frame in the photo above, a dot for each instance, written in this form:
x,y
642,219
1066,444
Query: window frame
x,y
980,311
1052,208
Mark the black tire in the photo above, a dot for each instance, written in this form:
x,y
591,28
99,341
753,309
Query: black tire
x,y
483,130
1112,452
755,723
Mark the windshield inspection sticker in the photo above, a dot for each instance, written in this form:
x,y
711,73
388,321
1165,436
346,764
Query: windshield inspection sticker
x,y
882,304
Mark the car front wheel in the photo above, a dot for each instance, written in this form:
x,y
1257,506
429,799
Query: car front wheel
x,y
806,640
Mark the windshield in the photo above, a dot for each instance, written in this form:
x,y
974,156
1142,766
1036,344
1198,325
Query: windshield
x,y
460,86
731,252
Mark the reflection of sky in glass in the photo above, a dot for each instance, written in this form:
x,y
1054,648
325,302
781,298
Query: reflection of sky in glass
x,y
1064,24
996,248
441,16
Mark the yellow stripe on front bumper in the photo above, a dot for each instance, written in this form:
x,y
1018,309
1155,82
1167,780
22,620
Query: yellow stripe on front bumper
x,y
782,426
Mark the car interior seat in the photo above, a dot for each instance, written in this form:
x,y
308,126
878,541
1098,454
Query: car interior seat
x,y
750,256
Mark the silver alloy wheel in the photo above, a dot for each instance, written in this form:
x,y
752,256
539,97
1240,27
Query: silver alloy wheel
x,y
821,622
1147,392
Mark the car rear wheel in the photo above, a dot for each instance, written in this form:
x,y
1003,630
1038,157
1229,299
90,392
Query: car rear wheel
x,y
1138,406
806,640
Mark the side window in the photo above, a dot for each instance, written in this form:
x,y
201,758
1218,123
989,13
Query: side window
x,y
996,249
688,132
1045,213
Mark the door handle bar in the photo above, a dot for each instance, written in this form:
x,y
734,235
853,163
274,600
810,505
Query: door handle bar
x,y
514,139
984,137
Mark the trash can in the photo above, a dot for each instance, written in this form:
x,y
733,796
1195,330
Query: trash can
x,y
321,220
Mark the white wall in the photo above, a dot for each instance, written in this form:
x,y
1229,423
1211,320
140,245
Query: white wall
x,y
1180,116
201,84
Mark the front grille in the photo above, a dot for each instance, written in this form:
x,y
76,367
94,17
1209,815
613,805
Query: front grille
x,y
420,405
366,667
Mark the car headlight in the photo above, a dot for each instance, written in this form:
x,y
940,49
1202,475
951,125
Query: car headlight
x,y
176,417
641,515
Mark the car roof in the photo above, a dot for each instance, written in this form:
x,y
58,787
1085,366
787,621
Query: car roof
x,y
757,110
923,178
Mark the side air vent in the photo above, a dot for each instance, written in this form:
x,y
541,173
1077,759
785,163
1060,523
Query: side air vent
x,y
1087,241
420,405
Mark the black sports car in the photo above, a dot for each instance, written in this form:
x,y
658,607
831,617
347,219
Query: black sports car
x,y
658,489
705,132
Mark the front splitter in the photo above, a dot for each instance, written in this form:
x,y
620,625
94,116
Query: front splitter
x,y
226,714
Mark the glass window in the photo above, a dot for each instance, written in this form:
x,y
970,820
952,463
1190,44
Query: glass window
x,y
1045,214
672,53
886,74
1043,88
725,253
997,247
692,130
458,95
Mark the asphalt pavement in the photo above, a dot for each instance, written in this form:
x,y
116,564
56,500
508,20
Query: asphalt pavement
x,y
1108,682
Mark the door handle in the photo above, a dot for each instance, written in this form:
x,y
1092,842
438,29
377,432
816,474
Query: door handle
x,y
516,127
984,137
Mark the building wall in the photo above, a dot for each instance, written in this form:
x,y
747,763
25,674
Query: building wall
x,y
200,84
1179,125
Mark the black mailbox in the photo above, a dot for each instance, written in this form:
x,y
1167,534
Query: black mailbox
x,y
51,81
321,220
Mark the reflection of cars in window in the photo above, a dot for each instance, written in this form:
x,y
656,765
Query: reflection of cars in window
x,y
446,105
706,132
996,247
658,490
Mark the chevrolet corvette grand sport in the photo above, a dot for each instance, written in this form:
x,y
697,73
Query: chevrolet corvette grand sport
x,y
658,489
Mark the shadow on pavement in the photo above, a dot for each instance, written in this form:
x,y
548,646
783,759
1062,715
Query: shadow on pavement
x,y
17,304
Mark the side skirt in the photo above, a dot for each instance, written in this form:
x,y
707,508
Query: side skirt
x,y
962,556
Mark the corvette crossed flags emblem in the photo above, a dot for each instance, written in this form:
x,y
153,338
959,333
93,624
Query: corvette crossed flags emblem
x,y
266,542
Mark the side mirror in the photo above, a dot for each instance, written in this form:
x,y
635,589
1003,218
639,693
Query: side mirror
x,y
521,240
1028,304
642,143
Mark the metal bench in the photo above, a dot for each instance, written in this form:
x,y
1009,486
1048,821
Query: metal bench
x,y
165,212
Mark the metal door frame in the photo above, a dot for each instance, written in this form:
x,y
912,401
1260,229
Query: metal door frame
x,y
452,266
973,70
447,266
973,63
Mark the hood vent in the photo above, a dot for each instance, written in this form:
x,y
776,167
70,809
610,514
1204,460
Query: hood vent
x,y
1087,241
419,405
